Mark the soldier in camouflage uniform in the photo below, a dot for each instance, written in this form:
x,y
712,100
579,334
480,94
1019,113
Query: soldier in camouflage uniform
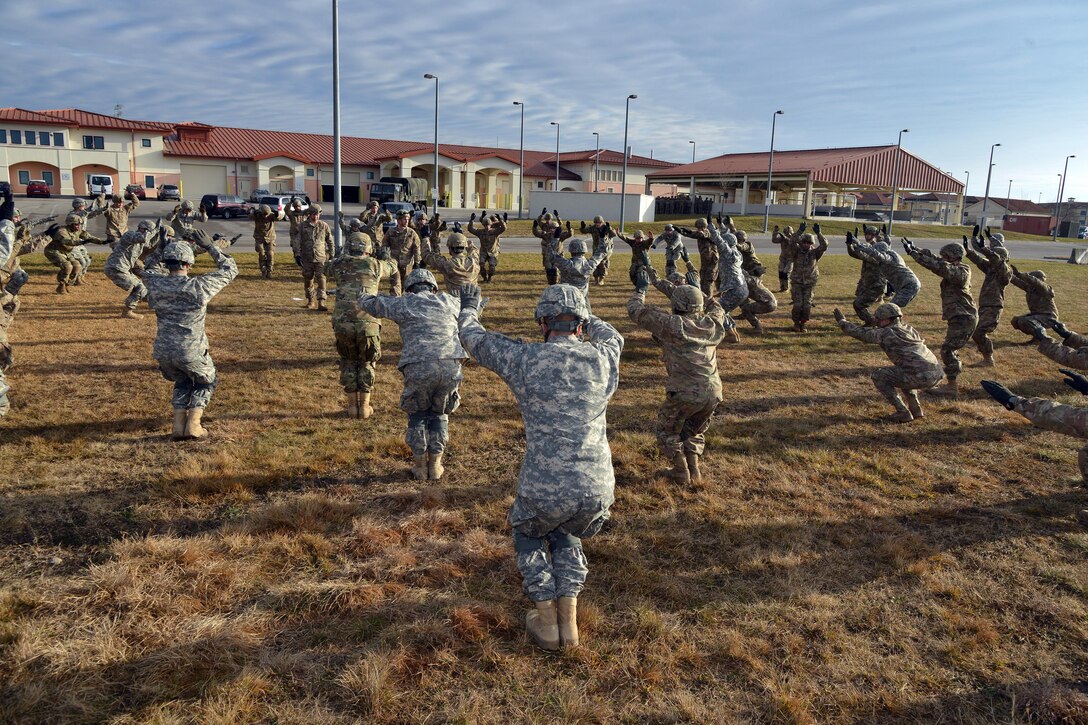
x,y
430,361
914,366
1072,351
994,263
358,335
183,219
871,282
785,259
731,280
80,252
674,248
597,230
957,307
117,215
546,229
264,237
708,255
689,337
58,251
804,259
123,265
892,267
577,270
315,247
489,234
1051,415
12,275
566,485
7,242
296,215
463,264
1040,299
640,244
180,303
405,248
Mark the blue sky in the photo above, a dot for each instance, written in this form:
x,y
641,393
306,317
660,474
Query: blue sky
x,y
960,75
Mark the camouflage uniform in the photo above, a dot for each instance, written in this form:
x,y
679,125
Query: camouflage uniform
x,y
892,268
914,366
315,246
358,335
123,262
785,259
181,348
674,249
689,343
761,301
264,238
640,247
457,269
577,270
405,248
430,361
596,231
1073,353
7,240
489,245
184,221
566,485
749,261
957,307
59,252
804,274
80,253
730,276
708,259
12,275
991,298
117,219
871,285
1040,299
295,218
544,230
1060,418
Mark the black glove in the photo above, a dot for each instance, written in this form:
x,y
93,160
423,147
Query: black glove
x,y
979,244
472,217
543,211
483,214
907,246
708,218
816,227
839,316
728,220
555,213
298,260
965,242
383,253
1037,331
642,280
1075,380
1060,328
975,231
988,235
505,216
457,227
1000,393
884,229
7,208
692,279
425,232
850,240
470,296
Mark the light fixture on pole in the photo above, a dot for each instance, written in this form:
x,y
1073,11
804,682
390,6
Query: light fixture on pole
x,y
966,183
770,171
1008,199
895,179
986,196
431,76
597,162
691,193
521,158
556,124
623,182
1061,192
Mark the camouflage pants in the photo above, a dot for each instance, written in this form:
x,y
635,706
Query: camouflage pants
x,y
760,301
670,260
602,269
708,277
682,421
988,318
430,395
548,542
489,262
868,293
313,278
732,295
906,290
785,265
67,268
129,283
359,354
81,255
1060,418
194,380
801,295
549,271
890,380
1020,322
266,255
959,332
16,280
396,281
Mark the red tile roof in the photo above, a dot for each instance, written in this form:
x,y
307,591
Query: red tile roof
x,y
88,119
19,115
1015,206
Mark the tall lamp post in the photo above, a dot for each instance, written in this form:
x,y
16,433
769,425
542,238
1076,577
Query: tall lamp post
x,y
338,243
895,179
623,181
1061,192
431,76
521,158
770,171
986,195
597,162
1008,199
691,193
556,124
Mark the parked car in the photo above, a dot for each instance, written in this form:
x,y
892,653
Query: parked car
x,y
280,203
169,192
136,190
224,205
870,216
99,185
37,187
1083,233
256,194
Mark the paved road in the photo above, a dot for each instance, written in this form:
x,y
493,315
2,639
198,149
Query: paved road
x,y
1050,251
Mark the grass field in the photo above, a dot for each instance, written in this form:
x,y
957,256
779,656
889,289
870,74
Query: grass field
x,y
831,568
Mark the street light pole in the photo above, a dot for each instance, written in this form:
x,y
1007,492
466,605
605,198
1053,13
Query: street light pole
x,y
521,158
1008,200
691,193
623,181
770,171
338,244
895,178
556,124
435,191
597,163
986,196
1061,192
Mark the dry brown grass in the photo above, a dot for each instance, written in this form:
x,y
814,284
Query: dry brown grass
x,y
831,569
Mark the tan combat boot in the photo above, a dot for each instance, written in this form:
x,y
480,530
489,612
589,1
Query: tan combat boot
x,y
950,389
568,621
693,467
901,414
914,405
352,405
542,625
365,411
731,335
193,428
679,470
419,467
310,303
321,306
987,361
130,314
435,469
62,289
178,433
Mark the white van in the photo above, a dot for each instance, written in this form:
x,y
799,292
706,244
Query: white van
x,y
97,184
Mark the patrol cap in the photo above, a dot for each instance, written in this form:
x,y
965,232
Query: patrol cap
x,y
686,298
561,299
178,252
420,276
887,311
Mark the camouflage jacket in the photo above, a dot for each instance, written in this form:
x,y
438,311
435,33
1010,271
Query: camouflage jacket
x,y
315,243
674,245
372,218
1072,352
354,275
901,343
180,303
295,218
689,344
183,221
730,273
562,388
264,225
595,232
1040,295
997,275
872,276
65,240
117,217
638,247
427,321
806,268
749,261
891,265
128,251
489,237
7,240
576,271
457,269
405,246
708,251
545,232
955,283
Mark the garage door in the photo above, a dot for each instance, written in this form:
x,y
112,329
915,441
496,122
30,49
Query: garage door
x,y
349,186
200,179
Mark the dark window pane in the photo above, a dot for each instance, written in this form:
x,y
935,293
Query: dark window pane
x,y
43,138
147,143
88,142
47,177
149,182
99,142
31,139
16,136
58,139
3,135
24,177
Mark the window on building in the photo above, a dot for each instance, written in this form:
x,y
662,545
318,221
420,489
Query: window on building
x,y
146,143
243,169
94,142
309,172
540,184
31,138
3,135
58,139
43,138
47,177
149,182
24,177
370,175
16,136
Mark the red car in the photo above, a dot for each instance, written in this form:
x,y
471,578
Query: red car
x,y
37,187
137,191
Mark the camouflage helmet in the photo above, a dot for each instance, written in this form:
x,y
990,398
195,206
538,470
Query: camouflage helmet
x,y
116,198
356,224
178,252
686,299
787,230
868,230
700,223
314,209
741,235
1038,274
133,237
952,250
676,278
420,276
77,203
548,217
264,209
668,228
997,239
1001,253
404,213
881,246
456,243
561,299
598,219
372,204
186,204
639,234
18,213
359,244
887,311
73,218
145,226
808,239
576,246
